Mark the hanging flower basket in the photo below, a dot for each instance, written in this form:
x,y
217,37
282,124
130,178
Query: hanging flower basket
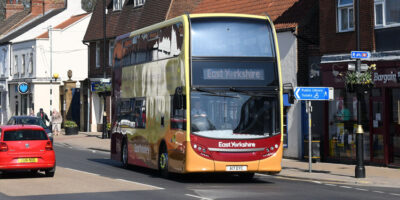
x,y
359,87
359,81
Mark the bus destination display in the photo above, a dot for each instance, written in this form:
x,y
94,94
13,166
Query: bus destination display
x,y
233,74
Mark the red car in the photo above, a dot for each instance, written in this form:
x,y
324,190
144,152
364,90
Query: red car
x,y
26,147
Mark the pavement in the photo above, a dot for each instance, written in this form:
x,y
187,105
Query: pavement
x,y
292,169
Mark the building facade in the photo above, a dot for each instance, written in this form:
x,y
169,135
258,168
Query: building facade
x,y
122,16
30,57
379,30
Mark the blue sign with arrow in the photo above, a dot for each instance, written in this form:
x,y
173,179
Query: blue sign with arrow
x,y
314,93
360,54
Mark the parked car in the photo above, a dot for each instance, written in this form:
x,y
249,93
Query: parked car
x,y
30,120
26,147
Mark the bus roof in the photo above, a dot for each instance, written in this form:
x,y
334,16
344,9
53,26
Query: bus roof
x,y
181,19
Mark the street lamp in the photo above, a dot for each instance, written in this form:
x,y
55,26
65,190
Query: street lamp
x,y
104,135
360,169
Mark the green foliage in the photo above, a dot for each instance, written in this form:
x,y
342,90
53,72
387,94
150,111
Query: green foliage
x,y
70,124
88,5
360,78
102,88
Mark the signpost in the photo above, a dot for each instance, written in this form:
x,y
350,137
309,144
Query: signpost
x,y
309,94
313,93
360,54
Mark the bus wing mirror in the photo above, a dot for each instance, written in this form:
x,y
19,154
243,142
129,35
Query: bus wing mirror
x,y
288,89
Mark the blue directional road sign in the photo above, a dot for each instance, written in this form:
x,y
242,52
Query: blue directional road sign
x,y
360,54
314,93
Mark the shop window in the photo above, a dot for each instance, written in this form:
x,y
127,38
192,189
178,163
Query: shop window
x,y
395,126
343,124
387,13
345,15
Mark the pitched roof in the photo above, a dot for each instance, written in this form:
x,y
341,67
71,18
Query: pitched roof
x,y
30,25
180,7
284,13
130,18
9,23
65,24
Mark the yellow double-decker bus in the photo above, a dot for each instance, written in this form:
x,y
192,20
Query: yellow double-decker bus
x,y
199,93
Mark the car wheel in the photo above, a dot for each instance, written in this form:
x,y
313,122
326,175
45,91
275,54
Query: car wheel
x,y
124,155
50,172
163,162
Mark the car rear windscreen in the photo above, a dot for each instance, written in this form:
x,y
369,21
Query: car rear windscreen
x,y
19,135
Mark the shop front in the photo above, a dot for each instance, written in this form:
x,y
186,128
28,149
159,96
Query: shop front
x,y
380,116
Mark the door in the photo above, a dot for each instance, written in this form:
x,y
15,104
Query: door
x,y
394,137
378,123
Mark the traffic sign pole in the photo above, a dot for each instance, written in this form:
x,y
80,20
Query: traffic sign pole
x,y
309,137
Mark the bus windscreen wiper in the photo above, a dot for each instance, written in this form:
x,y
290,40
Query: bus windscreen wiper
x,y
212,93
254,93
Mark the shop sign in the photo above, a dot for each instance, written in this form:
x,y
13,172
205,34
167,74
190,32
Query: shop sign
x,y
23,88
384,78
98,86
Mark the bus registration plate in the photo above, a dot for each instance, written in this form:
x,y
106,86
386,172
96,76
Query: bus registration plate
x,y
236,168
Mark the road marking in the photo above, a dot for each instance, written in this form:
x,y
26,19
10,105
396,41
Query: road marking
x,y
83,172
330,185
380,192
347,187
394,194
263,175
199,197
360,189
155,187
317,182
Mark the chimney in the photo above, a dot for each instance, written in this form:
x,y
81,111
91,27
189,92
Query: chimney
x,y
37,7
13,8
42,6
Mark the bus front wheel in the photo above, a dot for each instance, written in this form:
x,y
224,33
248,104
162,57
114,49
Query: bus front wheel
x,y
163,162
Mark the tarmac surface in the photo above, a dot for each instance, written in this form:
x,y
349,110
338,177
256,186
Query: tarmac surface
x,y
293,169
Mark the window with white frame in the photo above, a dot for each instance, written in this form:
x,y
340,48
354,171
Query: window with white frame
x,y
110,52
15,65
23,64
345,15
118,4
139,2
387,13
30,66
97,54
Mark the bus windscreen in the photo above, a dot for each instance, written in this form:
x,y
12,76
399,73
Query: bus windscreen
x,y
227,37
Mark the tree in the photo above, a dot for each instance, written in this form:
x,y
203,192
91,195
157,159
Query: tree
x,y
88,5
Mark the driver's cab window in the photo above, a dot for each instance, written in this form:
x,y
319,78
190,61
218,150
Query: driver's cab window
x,y
11,122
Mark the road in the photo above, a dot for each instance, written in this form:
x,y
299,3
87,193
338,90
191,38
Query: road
x,y
83,175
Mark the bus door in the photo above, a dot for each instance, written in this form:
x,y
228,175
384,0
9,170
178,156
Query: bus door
x,y
176,136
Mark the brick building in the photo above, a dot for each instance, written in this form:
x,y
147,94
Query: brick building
x,y
379,30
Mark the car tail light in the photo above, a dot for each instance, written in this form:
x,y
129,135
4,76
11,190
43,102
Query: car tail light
x,y
3,147
49,146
